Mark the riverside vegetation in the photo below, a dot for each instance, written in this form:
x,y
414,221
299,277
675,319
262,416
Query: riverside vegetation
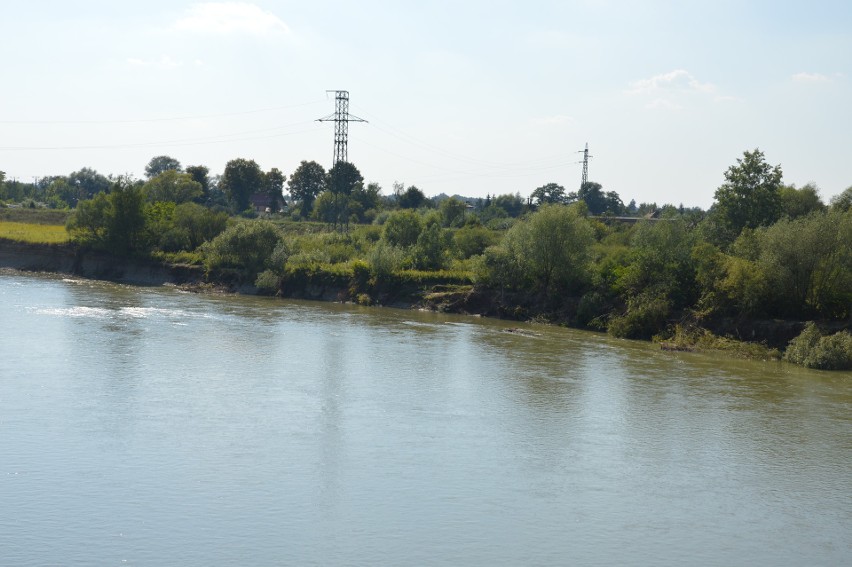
x,y
769,264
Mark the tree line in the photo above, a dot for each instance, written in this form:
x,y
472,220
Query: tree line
x,y
764,250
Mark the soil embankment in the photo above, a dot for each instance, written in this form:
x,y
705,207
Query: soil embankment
x,y
73,260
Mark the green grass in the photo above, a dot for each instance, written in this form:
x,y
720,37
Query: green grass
x,y
702,340
33,233
34,216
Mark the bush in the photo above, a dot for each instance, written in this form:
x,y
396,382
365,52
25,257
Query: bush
x,y
498,267
552,247
591,310
200,224
245,246
429,252
645,317
403,228
385,259
268,282
473,240
811,349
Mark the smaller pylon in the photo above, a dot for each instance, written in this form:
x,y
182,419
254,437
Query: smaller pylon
x,y
586,157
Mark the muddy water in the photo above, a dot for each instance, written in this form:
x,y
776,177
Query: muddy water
x,y
148,426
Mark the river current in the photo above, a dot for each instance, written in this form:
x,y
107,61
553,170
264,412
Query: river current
x,y
150,426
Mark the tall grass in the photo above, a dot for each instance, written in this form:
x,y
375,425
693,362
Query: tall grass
x,y
34,216
33,233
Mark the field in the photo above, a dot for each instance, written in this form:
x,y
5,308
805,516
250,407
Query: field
x,y
34,216
34,233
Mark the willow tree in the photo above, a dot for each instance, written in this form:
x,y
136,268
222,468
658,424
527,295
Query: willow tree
x,y
552,248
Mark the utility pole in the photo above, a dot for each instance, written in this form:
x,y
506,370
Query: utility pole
x,y
586,157
341,119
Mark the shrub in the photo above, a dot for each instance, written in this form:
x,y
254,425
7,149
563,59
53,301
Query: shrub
x,y
811,349
552,247
402,228
381,218
473,240
268,282
245,246
429,251
591,310
385,259
645,317
200,224
498,267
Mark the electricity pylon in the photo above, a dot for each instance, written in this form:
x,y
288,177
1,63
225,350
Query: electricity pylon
x,y
341,119
586,157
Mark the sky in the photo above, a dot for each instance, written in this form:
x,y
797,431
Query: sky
x,y
460,97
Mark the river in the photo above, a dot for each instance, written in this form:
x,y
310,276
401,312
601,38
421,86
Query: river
x,y
150,426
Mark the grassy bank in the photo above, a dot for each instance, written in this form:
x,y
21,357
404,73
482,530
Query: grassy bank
x,y
698,339
33,232
34,216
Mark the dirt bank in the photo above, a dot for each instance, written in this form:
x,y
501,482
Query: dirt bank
x,y
70,259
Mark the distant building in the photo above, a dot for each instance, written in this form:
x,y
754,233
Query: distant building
x,y
263,203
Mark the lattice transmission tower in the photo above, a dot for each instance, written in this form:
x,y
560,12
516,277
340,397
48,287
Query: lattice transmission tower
x,y
586,157
341,119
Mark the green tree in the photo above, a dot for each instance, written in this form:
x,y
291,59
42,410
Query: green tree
x,y
809,264
274,187
729,285
246,247
126,222
172,186
88,224
473,240
89,182
332,208
241,179
551,193
453,212
812,349
161,164
306,183
365,201
553,248
384,259
749,198
430,251
114,222
598,201
62,193
512,204
500,267
402,228
661,263
199,223
843,201
411,198
491,212
796,203
201,174
343,178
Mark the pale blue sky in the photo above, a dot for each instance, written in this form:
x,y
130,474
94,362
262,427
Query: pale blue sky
x,y
462,97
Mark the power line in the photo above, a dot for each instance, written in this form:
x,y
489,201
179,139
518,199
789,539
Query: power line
x,y
454,155
162,119
218,139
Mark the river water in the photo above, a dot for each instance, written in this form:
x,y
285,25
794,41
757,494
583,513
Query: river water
x,y
149,426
